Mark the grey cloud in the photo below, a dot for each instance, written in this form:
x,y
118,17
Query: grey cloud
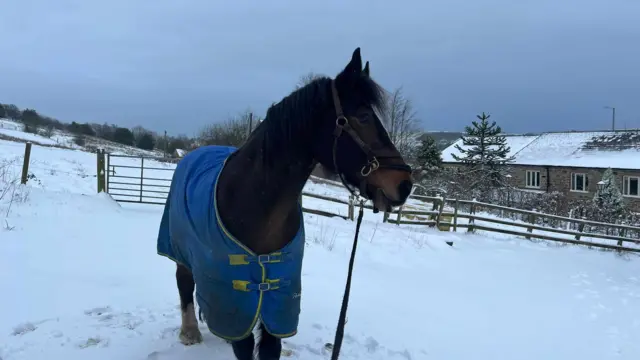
x,y
543,65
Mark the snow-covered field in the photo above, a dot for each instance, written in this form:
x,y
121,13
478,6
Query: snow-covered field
x,y
80,279
13,129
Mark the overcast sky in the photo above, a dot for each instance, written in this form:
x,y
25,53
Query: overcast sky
x,y
176,65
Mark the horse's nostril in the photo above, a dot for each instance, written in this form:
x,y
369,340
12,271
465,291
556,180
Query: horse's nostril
x,y
404,189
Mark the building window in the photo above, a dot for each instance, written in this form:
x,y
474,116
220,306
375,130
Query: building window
x,y
631,186
579,182
533,179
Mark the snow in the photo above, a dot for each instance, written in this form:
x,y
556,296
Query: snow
x,y
515,142
7,124
81,279
563,149
566,149
14,129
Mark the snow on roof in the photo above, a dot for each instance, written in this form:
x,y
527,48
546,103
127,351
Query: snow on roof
x,y
515,142
598,149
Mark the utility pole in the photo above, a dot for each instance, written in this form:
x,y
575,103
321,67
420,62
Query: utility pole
x,y
613,117
165,143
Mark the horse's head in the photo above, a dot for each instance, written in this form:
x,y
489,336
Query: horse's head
x,y
353,142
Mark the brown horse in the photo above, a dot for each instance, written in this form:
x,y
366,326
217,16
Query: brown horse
x,y
248,200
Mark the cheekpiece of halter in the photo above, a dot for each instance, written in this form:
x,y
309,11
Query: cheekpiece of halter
x,y
342,125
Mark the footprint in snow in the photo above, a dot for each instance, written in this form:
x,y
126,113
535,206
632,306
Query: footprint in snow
x,y
98,311
94,341
24,328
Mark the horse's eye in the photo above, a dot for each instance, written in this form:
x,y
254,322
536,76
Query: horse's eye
x,y
364,118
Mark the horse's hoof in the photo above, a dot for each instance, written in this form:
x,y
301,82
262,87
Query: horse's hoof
x,y
190,336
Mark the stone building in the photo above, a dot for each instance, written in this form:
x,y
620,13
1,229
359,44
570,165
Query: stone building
x,y
572,162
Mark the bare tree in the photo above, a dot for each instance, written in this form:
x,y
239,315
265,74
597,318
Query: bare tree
x,y
307,79
48,131
139,131
233,132
401,123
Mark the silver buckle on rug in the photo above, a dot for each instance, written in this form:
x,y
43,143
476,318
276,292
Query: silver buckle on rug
x,y
263,259
264,286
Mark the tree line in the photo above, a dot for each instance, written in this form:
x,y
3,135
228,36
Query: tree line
x,y
138,136
400,120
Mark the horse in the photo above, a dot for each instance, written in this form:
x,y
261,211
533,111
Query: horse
x,y
233,220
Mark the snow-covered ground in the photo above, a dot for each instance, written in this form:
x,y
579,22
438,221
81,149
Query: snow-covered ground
x,y
13,129
80,279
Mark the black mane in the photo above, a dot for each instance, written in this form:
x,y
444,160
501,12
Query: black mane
x,y
290,119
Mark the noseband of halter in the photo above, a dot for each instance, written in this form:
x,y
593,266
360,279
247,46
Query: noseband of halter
x,y
342,125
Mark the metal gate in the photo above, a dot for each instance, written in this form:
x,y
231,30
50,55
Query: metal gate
x,y
147,180
138,179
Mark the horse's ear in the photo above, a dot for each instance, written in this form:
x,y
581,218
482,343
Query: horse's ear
x,y
355,65
365,71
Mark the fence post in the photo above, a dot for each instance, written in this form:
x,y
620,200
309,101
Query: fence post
x,y
351,210
141,176
439,216
622,233
107,175
385,217
580,229
455,216
399,215
532,220
25,163
472,211
100,173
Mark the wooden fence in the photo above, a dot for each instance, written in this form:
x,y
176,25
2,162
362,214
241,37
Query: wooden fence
x,y
448,218
445,214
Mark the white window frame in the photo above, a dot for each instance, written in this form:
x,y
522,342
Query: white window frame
x,y
585,182
626,186
532,179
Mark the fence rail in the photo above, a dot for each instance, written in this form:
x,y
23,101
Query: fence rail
x,y
447,220
145,184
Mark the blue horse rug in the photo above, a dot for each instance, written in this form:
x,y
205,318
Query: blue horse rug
x,y
234,286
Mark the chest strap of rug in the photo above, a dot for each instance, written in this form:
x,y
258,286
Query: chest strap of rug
x,y
243,259
270,284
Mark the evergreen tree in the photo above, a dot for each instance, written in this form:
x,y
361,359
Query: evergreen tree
x,y
123,136
484,144
81,129
146,141
12,112
3,113
31,119
608,199
485,150
428,157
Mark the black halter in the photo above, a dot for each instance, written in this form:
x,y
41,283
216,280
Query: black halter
x,y
373,164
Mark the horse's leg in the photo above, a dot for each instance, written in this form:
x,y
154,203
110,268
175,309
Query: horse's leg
x,y
189,332
243,349
270,346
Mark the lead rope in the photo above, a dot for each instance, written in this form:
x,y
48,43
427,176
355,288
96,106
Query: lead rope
x,y
337,342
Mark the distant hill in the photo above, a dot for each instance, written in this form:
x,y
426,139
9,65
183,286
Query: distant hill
x,y
444,138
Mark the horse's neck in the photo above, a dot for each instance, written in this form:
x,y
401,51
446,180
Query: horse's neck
x,y
258,199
